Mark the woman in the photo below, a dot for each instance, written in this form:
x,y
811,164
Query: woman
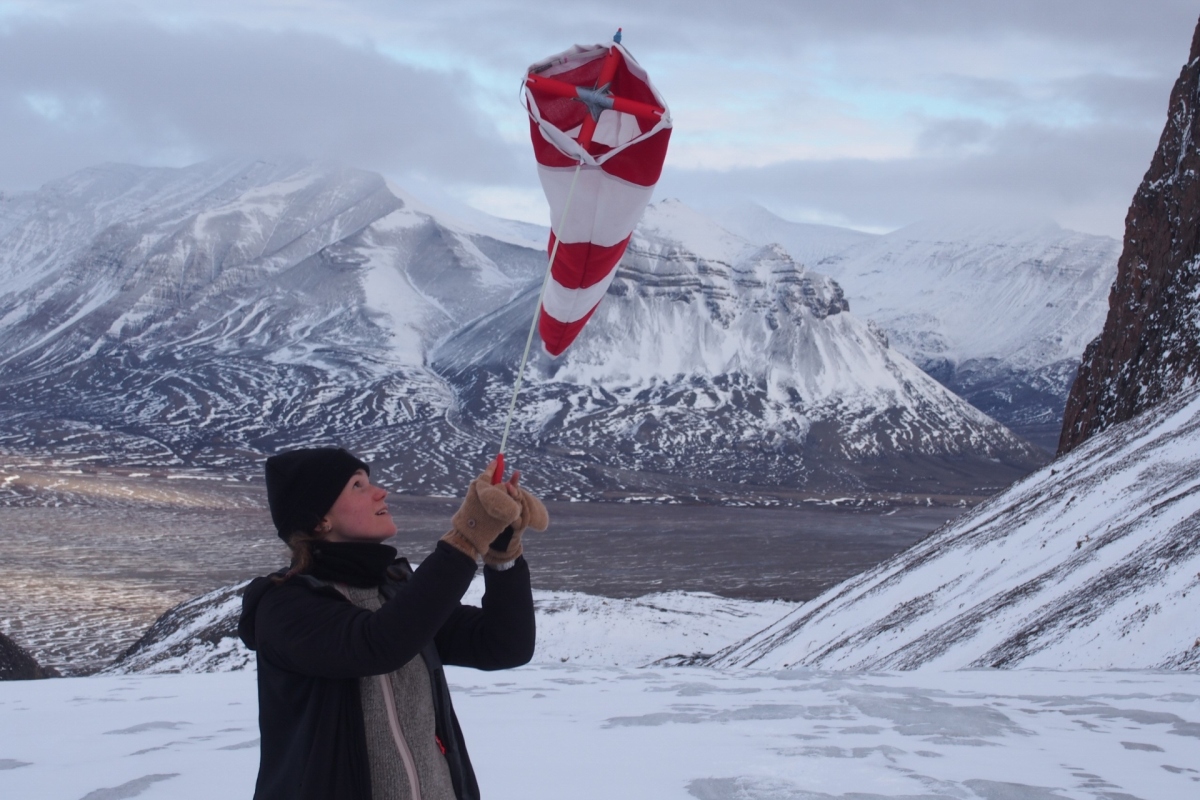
x,y
353,701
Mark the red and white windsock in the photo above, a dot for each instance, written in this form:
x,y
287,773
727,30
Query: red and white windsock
x,y
600,131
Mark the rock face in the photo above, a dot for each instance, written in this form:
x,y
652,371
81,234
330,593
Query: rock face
x,y
17,665
1150,346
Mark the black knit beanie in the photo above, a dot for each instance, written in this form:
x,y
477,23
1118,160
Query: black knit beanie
x,y
302,485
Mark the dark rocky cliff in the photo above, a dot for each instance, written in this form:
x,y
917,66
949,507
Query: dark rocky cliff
x,y
17,665
1150,346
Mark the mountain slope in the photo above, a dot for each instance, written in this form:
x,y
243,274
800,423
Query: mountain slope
x,y
998,312
1092,562
721,360
203,317
16,664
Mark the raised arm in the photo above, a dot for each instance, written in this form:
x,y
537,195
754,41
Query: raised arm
x,y
315,631
502,633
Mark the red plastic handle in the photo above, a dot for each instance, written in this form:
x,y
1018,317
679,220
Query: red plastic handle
x,y
498,475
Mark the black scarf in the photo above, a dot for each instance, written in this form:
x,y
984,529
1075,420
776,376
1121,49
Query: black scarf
x,y
355,563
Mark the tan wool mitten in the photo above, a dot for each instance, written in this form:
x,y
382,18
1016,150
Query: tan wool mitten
x,y
484,514
533,515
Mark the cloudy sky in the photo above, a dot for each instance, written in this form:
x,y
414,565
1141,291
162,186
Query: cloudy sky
x,y
866,113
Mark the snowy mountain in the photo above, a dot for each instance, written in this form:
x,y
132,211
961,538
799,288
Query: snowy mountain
x,y
1090,563
200,635
1094,561
998,312
708,344
204,316
807,243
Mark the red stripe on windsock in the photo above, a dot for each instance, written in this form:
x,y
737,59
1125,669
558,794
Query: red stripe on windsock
x,y
642,164
557,336
620,166
547,154
578,265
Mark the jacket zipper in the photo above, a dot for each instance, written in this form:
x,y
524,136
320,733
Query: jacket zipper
x,y
410,764
389,702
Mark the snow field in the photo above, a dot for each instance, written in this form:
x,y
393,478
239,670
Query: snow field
x,y
578,628
1093,562
555,730
572,628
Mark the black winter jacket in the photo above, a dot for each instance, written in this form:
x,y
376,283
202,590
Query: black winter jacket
x,y
314,645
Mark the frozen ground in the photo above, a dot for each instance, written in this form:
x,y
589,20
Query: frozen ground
x,y
561,730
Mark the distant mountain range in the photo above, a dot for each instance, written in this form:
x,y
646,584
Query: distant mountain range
x,y
209,315
1000,313
724,361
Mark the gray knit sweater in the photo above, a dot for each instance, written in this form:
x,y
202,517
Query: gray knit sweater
x,y
415,713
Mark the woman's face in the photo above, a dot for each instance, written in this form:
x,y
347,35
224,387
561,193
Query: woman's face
x,y
360,514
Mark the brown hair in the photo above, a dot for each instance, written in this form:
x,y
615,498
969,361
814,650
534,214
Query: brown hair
x,y
300,543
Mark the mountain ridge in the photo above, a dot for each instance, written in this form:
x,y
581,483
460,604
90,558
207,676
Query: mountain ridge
x,y
208,315
998,311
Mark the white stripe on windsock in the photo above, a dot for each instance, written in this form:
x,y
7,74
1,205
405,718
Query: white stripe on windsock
x,y
622,203
569,305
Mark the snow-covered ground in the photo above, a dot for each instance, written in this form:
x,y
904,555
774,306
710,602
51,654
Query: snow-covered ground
x,y
586,720
199,635
555,731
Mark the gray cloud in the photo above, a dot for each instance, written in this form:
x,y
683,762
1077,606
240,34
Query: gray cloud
x,y
509,31
1069,137
1084,180
73,94
1089,97
1118,98
1152,31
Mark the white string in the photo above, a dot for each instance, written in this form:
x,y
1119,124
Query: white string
x,y
512,405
